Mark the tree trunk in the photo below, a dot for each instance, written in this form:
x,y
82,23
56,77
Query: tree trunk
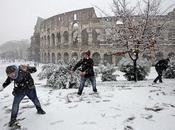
x,y
135,69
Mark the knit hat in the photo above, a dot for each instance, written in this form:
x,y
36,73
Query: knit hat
x,y
11,69
88,53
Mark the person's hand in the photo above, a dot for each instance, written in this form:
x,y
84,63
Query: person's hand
x,y
24,67
82,73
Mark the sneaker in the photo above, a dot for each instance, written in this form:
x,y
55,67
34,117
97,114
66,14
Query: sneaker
x,y
14,123
41,111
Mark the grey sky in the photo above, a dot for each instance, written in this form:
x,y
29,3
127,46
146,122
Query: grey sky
x,y
18,17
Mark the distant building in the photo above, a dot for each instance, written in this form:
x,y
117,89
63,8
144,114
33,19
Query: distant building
x,y
67,35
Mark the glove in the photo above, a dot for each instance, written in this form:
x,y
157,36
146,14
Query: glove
x,y
1,88
24,67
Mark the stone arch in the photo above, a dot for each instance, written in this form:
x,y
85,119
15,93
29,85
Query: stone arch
x,y
53,40
48,58
66,36
48,41
45,41
42,42
58,39
75,55
53,58
84,37
75,16
66,57
107,59
45,57
75,27
58,57
94,36
97,58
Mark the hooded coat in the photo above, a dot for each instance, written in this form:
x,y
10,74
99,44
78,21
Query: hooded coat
x,y
162,65
23,79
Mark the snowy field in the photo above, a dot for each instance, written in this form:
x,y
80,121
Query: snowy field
x,y
120,105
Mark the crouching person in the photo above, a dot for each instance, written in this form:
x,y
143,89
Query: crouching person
x,y
23,86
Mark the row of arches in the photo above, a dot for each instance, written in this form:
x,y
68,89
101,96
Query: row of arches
x,y
51,57
47,57
56,39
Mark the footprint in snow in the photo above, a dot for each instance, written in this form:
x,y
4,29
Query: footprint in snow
x,y
27,106
128,128
73,106
146,116
130,119
88,123
105,100
8,110
56,122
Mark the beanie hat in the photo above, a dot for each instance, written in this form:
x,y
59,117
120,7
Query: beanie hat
x,y
11,69
88,53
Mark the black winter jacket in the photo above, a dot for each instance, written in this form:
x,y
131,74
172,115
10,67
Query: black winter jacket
x,y
86,66
162,65
23,81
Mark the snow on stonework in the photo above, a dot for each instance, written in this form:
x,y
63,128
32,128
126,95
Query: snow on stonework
x,y
119,105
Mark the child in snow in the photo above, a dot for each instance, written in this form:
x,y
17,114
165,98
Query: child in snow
x,y
87,72
23,86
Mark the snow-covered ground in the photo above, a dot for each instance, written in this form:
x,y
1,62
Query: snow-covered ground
x,y
120,105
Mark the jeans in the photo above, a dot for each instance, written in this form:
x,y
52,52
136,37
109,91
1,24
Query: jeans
x,y
82,83
159,77
31,94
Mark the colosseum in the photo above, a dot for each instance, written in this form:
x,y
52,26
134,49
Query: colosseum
x,y
69,34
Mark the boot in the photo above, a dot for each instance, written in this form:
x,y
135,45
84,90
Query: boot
x,y
40,111
95,90
79,93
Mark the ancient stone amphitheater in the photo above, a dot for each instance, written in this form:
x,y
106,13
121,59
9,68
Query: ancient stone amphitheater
x,y
69,34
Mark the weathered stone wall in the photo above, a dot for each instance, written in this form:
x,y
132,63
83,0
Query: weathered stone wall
x,y
70,34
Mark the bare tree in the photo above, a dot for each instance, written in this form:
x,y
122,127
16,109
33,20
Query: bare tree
x,y
136,28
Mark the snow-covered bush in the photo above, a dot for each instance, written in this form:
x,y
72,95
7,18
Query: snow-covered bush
x,y
60,76
47,71
126,65
107,72
170,72
63,78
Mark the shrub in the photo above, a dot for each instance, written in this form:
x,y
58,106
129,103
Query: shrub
x,y
126,65
170,72
107,72
59,75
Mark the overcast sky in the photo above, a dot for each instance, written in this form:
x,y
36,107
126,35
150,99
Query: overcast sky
x,y
18,17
